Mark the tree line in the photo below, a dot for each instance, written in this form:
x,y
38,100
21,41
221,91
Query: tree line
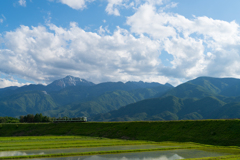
x,y
9,120
30,118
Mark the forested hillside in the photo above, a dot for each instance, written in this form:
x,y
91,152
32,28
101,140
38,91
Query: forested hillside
x,y
201,98
74,97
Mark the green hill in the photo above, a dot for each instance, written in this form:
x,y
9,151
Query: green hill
x,y
206,86
25,103
200,98
169,108
85,99
106,102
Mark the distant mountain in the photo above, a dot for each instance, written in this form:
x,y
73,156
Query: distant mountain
x,y
169,108
200,98
207,86
142,84
29,102
73,96
88,93
57,85
106,102
68,81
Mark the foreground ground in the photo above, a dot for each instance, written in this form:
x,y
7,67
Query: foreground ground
x,y
218,135
214,132
40,143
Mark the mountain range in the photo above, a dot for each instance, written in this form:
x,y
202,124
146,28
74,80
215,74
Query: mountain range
x,y
200,98
74,97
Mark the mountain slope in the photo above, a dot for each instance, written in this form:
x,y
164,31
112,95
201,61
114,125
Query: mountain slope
x,y
73,97
66,82
107,102
166,108
25,103
207,86
88,93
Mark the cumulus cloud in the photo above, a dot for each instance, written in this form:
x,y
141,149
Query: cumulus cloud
x,y
6,83
112,7
146,20
199,46
22,3
44,53
76,4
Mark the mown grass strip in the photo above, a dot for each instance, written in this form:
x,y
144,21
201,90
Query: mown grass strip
x,y
66,146
73,143
79,144
94,153
65,137
83,141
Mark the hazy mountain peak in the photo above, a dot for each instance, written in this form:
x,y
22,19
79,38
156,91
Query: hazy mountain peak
x,y
168,84
142,84
69,81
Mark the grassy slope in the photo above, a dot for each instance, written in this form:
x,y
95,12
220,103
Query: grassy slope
x,y
216,132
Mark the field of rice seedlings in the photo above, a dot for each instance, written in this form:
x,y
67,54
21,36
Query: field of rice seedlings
x,y
27,147
51,142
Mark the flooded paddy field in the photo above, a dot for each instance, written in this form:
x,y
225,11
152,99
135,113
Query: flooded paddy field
x,y
154,155
95,148
80,150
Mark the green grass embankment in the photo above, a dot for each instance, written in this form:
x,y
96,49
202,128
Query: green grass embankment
x,y
54,142
215,132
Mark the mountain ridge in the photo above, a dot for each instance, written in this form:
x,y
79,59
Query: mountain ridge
x,y
200,98
75,96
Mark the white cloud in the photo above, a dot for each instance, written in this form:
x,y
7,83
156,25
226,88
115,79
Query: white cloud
x,y
76,4
6,83
112,7
2,19
187,40
102,30
22,3
42,55
168,6
146,20
200,46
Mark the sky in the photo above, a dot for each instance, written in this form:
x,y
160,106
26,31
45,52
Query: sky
x,y
165,41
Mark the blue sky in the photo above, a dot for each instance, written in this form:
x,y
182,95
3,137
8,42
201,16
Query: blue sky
x,y
118,40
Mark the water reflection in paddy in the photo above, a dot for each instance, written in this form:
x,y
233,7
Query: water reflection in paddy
x,y
71,150
155,155
17,153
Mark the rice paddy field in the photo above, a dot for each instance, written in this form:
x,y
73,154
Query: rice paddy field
x,y
60,147
208,140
